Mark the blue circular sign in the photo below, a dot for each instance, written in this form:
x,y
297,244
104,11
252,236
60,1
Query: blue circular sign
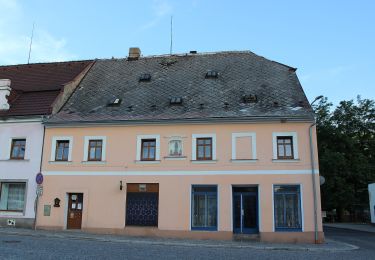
x,y
39,178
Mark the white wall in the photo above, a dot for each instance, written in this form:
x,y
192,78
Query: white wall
x,y
21,170
371,191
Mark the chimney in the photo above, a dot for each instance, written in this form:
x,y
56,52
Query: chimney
x,y
134,53
4,93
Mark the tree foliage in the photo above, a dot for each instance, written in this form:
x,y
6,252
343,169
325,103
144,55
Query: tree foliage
x,y
346,143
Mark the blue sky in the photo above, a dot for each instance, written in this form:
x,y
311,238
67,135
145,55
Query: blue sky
x,y
332,43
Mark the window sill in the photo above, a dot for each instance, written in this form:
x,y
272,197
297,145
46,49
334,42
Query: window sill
x,y
244,160
288,230
286,160
60,162
203,161
175,158
94,162
11,213
148,162
15,160
204,229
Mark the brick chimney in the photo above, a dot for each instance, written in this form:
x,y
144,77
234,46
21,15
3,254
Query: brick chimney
x,y
134,53
4,93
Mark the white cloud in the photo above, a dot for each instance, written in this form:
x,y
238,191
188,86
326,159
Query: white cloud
x,y
160,9
14,42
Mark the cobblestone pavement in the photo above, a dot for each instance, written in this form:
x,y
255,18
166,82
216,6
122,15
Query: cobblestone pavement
x,y
15,244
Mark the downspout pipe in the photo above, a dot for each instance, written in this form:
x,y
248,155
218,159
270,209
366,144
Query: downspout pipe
x,y
312,159
40,170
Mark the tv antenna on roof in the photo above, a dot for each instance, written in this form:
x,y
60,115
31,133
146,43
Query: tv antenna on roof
x,y
170,49
31,43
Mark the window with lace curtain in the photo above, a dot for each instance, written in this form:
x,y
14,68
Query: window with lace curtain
x,y
287,205
12,196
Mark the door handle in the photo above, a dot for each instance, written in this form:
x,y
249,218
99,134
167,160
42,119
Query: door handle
x,y
242,212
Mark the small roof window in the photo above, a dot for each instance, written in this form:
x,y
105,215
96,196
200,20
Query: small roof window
x,y
212,74
175,101
145,77
251,98
114,102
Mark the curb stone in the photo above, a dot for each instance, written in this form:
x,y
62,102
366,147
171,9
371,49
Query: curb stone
x,y
340,246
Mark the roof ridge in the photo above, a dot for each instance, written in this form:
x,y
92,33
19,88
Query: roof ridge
x,y
46,63
185,54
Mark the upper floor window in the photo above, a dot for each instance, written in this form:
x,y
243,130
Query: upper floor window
x,y
287,207
285,147
148,149
175,147
204,148
148,152
12,196
18,149
95,150
62,150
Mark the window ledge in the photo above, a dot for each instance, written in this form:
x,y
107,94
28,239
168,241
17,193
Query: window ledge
x,y
175,158
94,162
244,160
14,160
202,229
60,162
203,161
11,213
288,230
148,162
286,160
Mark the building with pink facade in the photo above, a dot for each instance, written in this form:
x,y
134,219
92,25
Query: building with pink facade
x,y
213,145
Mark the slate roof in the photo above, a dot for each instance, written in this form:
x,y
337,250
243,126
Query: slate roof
x,y
36,86
276,86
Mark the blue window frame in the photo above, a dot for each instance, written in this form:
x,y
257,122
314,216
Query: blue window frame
x,y
287,208
204,207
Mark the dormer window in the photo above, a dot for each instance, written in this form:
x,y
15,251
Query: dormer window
x,y
175,101
114,102
145,77
251,98
212,74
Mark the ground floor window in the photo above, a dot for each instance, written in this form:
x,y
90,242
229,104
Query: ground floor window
x,y
12,196
204,208
287,199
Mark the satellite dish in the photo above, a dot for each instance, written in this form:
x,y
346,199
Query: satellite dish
x,y
322,180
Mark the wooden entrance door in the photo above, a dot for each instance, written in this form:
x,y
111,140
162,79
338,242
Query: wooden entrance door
x,y
75,207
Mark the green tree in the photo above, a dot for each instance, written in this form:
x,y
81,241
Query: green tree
x,y
346,143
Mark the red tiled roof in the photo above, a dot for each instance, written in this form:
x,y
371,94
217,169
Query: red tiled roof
x,y
36,86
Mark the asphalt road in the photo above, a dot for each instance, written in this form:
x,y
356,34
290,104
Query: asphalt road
x,y
29,247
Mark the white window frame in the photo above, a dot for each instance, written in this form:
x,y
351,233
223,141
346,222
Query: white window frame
x,y
16,213
252,135
139,146
295,144
86,147
194,146
53,146
26,157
